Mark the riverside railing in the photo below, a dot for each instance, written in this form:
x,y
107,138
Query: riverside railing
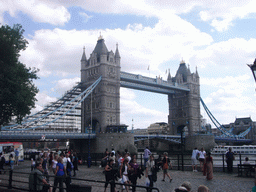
x,y
20,181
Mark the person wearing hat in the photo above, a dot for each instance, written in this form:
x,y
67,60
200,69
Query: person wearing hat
x,y
185,186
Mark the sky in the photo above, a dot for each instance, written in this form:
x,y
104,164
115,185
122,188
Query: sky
x,y
216,38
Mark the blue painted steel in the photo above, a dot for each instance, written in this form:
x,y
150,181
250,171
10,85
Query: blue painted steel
x,y
84,94
156,85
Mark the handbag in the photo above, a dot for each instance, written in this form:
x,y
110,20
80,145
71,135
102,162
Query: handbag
x,y
165,166
147,182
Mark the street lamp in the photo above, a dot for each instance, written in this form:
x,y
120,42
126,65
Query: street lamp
x,y
253,68
89,148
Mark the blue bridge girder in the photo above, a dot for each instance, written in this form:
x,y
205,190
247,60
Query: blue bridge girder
x,y
43,136
157,85
171,138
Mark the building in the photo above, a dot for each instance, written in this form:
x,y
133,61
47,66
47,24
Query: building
x,y
158,128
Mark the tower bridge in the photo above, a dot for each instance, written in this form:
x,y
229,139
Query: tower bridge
x,y
94,104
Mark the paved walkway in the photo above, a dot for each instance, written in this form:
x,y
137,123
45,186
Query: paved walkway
x,y
221,181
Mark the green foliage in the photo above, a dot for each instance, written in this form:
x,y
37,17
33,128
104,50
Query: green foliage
x,y
17,90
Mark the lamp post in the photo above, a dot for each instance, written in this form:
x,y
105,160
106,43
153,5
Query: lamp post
x,y
89,148
253,68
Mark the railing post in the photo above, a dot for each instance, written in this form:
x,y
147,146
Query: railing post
x,y
240,158
141,160
10,179
178,161
223,162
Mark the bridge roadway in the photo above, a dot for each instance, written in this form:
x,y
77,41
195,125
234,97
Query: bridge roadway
x,y
57,136
221,181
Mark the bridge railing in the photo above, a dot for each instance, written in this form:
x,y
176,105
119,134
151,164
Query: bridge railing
x,y
16,180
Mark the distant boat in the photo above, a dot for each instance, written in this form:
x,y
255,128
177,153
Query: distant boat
x,y
244,149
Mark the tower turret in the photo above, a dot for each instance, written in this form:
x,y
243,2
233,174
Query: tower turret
x,y
117,55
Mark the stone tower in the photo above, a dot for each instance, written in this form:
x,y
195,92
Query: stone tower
x,y
102,107
184,107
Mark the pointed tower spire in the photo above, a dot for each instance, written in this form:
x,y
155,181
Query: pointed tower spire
x,y
189,70
169,78
117,55
83,56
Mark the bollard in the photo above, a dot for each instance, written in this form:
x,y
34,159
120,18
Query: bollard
x,y
10,179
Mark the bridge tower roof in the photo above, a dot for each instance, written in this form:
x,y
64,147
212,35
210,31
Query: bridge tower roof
x,y
183,70
100,47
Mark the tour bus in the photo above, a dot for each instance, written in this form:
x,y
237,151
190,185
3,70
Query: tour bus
x,y
8,148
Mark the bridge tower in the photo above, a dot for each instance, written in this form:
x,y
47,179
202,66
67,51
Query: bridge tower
x,y
184,107
102,108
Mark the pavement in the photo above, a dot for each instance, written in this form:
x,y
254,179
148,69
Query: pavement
x,y
221,182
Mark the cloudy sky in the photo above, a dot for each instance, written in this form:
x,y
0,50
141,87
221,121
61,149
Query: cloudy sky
x,y
218,39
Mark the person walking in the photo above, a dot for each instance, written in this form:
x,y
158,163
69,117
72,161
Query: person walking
x,y
229,160
208,167
150,165
67,165
109,176
147,152
202,154
134,173
59,175
194,156
75,163
16,151
125,167
166,162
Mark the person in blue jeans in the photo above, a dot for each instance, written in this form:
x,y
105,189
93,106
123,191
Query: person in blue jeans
x,y
59,175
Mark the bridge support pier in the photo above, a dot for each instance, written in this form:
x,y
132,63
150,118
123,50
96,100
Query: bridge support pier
x,y
118,141
199,141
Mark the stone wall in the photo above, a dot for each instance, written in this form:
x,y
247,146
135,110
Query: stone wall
x,y
199,141
118,141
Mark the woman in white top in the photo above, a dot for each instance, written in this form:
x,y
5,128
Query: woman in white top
x,y
54,162
124,173
202,154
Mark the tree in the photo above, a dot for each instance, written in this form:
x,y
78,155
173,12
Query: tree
x,y
17,89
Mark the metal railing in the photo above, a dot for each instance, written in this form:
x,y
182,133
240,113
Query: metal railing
x,y
19,181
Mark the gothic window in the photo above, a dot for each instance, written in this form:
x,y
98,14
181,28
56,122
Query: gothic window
x,y
108,104
114,119
98,59
108,119
111,60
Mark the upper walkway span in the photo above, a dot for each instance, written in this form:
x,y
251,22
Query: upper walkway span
x,y
157,85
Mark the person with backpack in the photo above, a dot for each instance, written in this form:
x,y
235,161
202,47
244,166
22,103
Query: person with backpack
x,y
44,161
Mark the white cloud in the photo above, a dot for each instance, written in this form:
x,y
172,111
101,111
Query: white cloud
x,y
39,11
86,16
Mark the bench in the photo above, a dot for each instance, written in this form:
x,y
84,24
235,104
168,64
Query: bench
x,y
245,169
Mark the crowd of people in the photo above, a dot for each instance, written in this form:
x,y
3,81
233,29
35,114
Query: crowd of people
x,y
61,164
119,167
122,167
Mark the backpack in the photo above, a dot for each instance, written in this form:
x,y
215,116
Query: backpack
x,y
2,160
70,165
44,163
